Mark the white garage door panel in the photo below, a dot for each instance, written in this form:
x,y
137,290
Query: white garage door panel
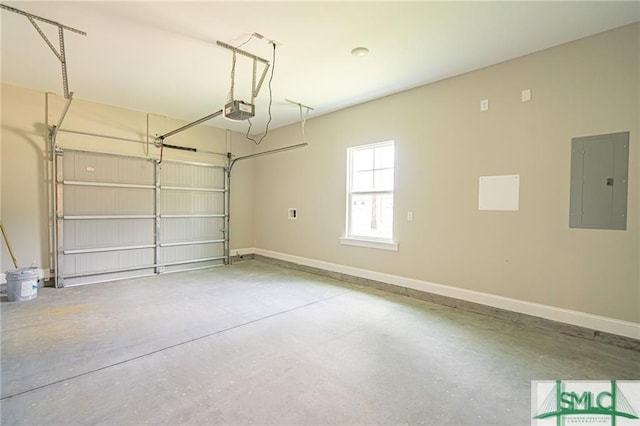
x,y
189,175
88,200
88,234
105,277
192,265
190,202
102,262
192,229
191,252
188,242
93,167
123,216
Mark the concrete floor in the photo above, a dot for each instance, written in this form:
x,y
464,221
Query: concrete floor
x,y
257,343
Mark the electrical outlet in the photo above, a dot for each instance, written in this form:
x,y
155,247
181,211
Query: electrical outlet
x,y
484,105
409,215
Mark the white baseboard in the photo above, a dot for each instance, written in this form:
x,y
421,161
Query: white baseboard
x,y
567,316
243,251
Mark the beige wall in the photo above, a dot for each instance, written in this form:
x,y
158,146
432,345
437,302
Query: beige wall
x,y
24,182
23,177
443,145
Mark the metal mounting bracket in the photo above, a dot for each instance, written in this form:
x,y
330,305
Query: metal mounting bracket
x,y
56,128
255,86
259,154
159,140
303,117
59,54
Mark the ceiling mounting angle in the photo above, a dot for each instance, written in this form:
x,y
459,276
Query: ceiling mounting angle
x,y
303,117
268,40
59,54
255,88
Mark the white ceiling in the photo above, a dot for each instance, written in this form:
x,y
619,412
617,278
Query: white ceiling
x,y
162,57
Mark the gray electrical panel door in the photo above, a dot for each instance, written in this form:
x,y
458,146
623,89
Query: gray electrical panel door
x,y
599,174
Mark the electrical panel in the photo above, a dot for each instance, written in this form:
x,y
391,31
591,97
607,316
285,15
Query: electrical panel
x,y
599,175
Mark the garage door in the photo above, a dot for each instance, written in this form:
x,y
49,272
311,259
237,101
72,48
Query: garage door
x,y
191,216
122,217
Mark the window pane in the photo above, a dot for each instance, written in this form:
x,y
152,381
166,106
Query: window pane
x,y
372,216
384,180
362,181
371,170
362,159
384,157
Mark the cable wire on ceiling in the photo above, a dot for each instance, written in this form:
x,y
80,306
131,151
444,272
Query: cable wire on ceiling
x,y
233,67
233,77
273,67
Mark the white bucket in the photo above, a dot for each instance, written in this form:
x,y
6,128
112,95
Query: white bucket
x,y
22,284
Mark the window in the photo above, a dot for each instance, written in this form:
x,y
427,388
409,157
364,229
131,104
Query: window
x,y
370,170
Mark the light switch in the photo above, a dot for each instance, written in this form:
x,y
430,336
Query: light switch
x,y
409,215
526,95
484,105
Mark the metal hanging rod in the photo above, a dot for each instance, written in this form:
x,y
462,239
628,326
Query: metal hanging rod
x,y
190,216
303,117
299,104
39,18
118,138
191,243
55,129
108,216
242,52
59,54
97,135
108,249
190,125
255,86
191,189
107,184
272,151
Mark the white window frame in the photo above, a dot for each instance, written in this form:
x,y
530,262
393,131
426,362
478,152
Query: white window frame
x,y
366,241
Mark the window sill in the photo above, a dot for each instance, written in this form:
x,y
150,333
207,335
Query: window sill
x,y
376,244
